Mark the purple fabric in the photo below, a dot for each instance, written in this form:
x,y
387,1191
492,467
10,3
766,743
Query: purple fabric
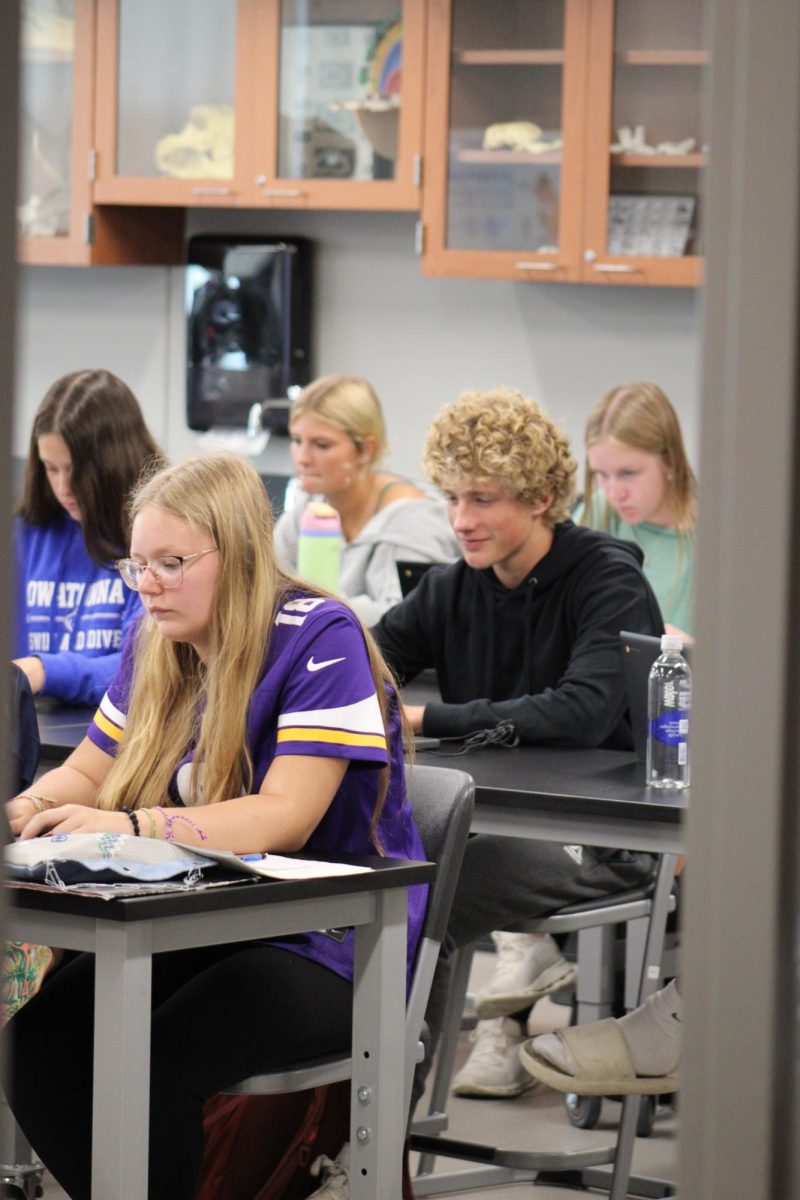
x,y
315,697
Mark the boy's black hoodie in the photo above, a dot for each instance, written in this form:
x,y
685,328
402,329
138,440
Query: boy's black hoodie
x,y
544,655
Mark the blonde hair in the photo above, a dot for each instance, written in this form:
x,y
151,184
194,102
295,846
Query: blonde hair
x,y
500,435
640,416
176,700
346,402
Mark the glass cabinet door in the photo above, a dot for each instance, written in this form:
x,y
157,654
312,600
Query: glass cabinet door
x,y
345,122
512,118
54,131
166,113
648,149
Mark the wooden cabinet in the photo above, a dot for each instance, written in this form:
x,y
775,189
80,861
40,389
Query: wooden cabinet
x,y
57,221
254,103
343,128
564,140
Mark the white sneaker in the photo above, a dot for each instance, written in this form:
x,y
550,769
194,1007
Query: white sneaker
x,y
529,966
335,1173
493,1067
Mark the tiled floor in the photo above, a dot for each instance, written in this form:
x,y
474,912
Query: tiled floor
x,y
536,1120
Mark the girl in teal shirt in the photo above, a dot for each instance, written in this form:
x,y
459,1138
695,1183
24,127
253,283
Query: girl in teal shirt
x,y
640,487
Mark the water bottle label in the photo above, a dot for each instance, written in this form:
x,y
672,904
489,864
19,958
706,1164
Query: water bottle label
x,y
671,727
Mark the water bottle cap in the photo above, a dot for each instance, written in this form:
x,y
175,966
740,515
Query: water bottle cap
x,y
671,641
319,517
320,509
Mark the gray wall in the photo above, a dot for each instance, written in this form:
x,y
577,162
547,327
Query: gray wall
x,y
420,341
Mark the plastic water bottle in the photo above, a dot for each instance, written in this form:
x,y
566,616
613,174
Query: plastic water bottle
x,y
669,702
319,546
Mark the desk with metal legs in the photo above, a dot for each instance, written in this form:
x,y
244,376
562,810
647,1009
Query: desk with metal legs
x,y
124,934
596,798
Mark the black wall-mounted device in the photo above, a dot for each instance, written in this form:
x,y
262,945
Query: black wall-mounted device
x,y
249,313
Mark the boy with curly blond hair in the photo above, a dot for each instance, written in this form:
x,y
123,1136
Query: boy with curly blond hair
x,y
523,633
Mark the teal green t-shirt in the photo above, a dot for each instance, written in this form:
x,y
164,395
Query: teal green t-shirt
x,y
668,565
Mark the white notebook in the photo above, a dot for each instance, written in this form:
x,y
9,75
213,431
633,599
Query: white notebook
x,y
276,866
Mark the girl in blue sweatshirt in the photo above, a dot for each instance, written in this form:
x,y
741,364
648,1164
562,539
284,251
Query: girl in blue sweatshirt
x,y
89,444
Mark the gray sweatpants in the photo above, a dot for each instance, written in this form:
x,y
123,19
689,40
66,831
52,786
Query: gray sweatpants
x,y
505,881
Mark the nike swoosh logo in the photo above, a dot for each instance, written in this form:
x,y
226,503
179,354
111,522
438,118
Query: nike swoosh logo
x,y
319,666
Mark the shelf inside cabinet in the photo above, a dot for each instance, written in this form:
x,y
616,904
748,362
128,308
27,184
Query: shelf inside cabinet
x,y
662,58
508,58
513,157
627,159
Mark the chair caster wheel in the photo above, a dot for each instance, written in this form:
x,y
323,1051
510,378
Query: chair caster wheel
x,y
647,1116
583,1111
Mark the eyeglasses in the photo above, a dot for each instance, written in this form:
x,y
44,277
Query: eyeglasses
x,y
167,570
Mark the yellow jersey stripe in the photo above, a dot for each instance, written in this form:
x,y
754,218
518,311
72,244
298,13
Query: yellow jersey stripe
x,y
339,736
107,727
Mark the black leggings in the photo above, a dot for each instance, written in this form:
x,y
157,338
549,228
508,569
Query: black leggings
x,y
220,1013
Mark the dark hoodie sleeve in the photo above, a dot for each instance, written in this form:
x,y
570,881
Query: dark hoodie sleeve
x,y
403,633
587,703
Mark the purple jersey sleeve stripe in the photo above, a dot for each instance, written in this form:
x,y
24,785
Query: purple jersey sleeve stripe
x,y
338,737
109,728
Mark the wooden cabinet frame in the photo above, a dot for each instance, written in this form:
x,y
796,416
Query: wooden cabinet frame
x,y
588,88
596,265
96,236
438,258
402,192
111,188
255,183
74,246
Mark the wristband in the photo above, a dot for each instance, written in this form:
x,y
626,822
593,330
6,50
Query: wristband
x,y
39,803
153,830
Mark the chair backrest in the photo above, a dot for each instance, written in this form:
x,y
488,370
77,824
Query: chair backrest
x,y
442,800
24,731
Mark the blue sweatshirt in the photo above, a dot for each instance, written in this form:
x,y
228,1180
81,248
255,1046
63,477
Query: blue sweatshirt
x,y
69,612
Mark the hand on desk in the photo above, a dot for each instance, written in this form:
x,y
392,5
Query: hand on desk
x,y
66,818
414,714
19,811
32,668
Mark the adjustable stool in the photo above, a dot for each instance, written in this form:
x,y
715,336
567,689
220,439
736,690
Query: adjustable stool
x,y
20,1173
645,913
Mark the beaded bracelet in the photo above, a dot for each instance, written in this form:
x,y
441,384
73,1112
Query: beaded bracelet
x,y
180,817
169,836
134,820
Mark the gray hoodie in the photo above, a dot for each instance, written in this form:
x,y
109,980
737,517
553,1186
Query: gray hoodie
x,y
406,530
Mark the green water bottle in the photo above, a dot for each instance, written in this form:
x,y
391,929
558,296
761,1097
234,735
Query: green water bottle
x,y
319,546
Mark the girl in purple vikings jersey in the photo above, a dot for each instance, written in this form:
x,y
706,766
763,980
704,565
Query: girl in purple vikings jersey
x,y
249,714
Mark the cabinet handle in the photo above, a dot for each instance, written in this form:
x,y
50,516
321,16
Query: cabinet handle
x,y
614,268
213,191
537,266
289,193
